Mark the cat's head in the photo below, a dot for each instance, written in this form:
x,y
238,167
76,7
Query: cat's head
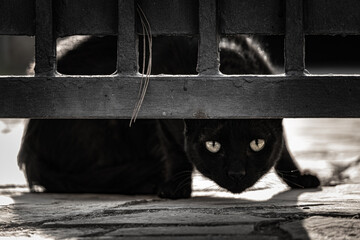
x,y
234,153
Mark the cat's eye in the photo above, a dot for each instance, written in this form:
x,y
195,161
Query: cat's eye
x,y
257,144
213,146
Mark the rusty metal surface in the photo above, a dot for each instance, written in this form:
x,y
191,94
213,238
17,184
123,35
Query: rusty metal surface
x,y
179,17
171,17
331,17
180,96
294,38
127,53
82,17
249,16
17,17
45,46
208,56
167,17
186,97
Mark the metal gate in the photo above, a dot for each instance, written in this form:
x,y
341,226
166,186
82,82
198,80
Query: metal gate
x,y
206,95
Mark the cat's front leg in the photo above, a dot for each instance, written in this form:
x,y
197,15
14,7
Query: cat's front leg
x,y
178,169
291,174
178,183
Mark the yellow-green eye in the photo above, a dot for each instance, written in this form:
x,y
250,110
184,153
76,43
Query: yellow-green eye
x,y
213,146
257,144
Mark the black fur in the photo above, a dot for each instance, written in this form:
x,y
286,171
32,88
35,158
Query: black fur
x,y
155,156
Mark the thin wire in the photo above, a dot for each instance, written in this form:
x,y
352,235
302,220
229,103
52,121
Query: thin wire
x,y
144,81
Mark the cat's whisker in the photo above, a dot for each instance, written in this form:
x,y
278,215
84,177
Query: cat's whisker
x,y
183,183
181,174
213,187
287,175
180,177
294,183
290,171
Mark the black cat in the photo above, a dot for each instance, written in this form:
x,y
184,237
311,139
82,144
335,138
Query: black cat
x,y
157,156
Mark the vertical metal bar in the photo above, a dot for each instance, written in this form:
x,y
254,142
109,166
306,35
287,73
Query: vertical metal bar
x,y
45,44
294,38
127,60
208,53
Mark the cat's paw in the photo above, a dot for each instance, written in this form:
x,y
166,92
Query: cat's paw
x,y
173,190
304,180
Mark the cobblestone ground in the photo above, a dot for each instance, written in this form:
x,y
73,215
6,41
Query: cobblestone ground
x,y
269,210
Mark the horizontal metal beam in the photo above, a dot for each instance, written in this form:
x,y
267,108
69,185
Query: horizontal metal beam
x,y
167,17
85,17
186,97
180,17
171,17
249,16
326,17
17,17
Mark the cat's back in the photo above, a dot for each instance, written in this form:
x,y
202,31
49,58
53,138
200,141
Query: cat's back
x,y
170,55
91,155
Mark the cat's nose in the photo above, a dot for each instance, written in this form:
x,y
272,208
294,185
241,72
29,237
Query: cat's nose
x,y
236,175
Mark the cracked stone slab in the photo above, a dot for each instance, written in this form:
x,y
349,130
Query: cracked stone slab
x,y
318,228
184,231
207,237
339,193
51,233
39,208
167,216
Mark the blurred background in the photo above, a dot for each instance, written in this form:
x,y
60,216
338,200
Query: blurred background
x,y
16,52
330,147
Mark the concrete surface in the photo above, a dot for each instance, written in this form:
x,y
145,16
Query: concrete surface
x,y
269,210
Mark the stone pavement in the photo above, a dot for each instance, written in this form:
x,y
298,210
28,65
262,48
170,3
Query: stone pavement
x,y
269,210
332,212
